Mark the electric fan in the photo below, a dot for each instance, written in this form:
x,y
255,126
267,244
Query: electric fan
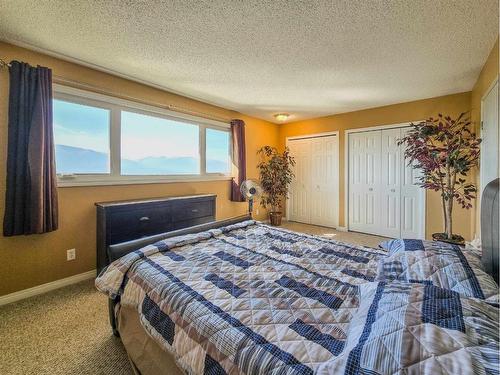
x,y
250,189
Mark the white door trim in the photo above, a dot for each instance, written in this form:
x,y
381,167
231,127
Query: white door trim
x,y
490,87
346,166
315,135
337,161
495,81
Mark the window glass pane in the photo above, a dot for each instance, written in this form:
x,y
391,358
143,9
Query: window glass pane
x,y
218,151
81,135
156,146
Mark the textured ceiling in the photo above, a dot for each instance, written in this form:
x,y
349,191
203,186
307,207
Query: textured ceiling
x,y
307,58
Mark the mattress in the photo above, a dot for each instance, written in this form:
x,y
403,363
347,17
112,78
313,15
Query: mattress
x,y
253,299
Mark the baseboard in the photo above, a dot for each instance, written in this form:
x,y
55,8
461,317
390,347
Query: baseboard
x,y
342,229
44,288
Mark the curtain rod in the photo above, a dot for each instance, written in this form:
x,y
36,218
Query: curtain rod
x,y
171,107
4,64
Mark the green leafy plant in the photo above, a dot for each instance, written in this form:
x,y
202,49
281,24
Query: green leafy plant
x,y
276,174
445,149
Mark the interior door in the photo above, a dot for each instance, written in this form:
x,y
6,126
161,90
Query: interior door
x,y
490,138
364,181
300,188
412,199
390,189
324,191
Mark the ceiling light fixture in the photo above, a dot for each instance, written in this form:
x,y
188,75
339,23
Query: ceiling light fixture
x,y
281,116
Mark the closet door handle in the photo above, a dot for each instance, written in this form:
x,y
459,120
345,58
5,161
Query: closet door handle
x,y
393,190
370,189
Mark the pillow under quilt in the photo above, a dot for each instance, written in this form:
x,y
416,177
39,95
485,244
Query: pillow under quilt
x,y
402,244
437,263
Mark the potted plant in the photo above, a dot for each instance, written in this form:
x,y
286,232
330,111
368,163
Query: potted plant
x,y
445,150
276,174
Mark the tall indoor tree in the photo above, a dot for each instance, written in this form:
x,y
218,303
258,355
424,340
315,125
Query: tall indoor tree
x,y
445,150
276,174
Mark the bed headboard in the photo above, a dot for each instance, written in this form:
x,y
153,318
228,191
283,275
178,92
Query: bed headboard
x,y
490,205
120,249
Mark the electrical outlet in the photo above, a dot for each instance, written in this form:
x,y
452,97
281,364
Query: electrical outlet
x,y
71,254
257,211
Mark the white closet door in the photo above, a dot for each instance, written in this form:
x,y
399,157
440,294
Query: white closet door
x,y
489,134
300,188
389,202
383,197
324,169
412,199
364,181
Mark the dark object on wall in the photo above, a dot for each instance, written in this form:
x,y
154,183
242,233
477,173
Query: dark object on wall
x,y
31,195
123,221
490,242
239,159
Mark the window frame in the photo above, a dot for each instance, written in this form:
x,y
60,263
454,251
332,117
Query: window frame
x,y
116,106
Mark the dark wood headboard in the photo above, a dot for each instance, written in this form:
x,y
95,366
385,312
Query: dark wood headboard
x,y
490,227
118,250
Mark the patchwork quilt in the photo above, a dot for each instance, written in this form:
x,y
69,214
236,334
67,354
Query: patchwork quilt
x,y
253,299
440,264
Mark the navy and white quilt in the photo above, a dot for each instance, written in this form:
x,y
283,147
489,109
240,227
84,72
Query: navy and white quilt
x,y
253,299
437,263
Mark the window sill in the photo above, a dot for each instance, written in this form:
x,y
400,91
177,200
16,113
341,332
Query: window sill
x,y
135,180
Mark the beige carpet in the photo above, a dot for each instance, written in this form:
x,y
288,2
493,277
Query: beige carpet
x,y
62,332
349,237
67,331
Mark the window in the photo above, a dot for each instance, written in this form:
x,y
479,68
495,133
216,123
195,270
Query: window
x,y
156,146
105,140
217,151
81,135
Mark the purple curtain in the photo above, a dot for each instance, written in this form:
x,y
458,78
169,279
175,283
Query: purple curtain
x,y
239,159
31,195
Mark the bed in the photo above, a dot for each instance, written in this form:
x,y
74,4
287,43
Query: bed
x,y
240,296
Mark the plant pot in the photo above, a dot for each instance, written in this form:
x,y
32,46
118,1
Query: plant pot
x,y
456,239
275,218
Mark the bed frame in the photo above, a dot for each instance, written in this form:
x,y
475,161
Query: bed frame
x,y
116,251
490,228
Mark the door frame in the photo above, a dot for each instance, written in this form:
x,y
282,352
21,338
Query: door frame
x,y
337,162
346,167
487,92
477,213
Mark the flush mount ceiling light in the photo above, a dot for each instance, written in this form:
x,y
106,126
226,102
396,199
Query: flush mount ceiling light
x,y
281,116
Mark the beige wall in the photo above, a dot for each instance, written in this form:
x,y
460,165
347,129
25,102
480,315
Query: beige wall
x,y
488,75
392,114
33,260
26,261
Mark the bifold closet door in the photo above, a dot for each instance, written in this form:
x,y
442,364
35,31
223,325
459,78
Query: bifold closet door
x,y
313,197
412,199
324,169
364,181
389,201
383,197
300,188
